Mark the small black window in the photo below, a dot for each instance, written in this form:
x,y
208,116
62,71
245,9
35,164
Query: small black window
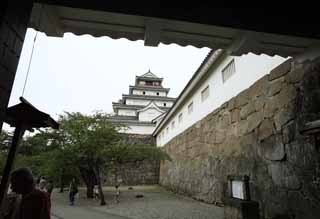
x,y
144,93
164,104
157,93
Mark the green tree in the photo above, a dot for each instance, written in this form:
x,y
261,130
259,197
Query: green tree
x,y
84,146
89,137
61,159
5,140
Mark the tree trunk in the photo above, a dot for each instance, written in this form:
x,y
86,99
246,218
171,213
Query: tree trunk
x,y
88,177
101,195
116,172
123,176
90,191
61,187
61,181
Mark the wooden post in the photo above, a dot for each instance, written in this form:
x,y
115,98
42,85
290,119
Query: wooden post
x,y
18,133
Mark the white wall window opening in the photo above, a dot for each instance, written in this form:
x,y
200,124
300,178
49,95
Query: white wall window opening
x,y
228,71
190,108
172,124
164,104
180,118
205,93
167,130
157,93
144,93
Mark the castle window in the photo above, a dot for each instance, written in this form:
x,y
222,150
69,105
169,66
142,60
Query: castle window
x,y
190,108
144,93
228,71
164,104
172,124
157,93
180,118
205,93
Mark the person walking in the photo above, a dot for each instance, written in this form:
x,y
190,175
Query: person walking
x,y
96,192
117,195
73,190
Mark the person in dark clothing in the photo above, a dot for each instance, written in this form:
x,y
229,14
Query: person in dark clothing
x,y
73,190
117,195
34,204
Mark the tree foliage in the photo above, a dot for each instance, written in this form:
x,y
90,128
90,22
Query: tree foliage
x,y
85,146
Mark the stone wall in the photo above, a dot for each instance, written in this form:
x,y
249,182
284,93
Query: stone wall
x,y
137,173
257,134
14,17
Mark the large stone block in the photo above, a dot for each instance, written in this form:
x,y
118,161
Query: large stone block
x,y
301,154
275,87
270,107
272,148
288,132
283,176
232,103
232,131
224,121
247,110
287,94
280,70
296,75
242,98
220,136
266,129
283,117
254,120
260,103
259,88
194,151
242,127
248,141
235,115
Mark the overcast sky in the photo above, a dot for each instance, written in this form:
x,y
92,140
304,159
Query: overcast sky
x,y
84,74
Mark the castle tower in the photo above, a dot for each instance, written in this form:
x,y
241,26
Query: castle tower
x,y
146,101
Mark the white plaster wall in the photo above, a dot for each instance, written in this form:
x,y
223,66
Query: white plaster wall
x,y
161,103
126,112
149,93
146,102
154,93
149,114
134,129
137,102
137,92
249,68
